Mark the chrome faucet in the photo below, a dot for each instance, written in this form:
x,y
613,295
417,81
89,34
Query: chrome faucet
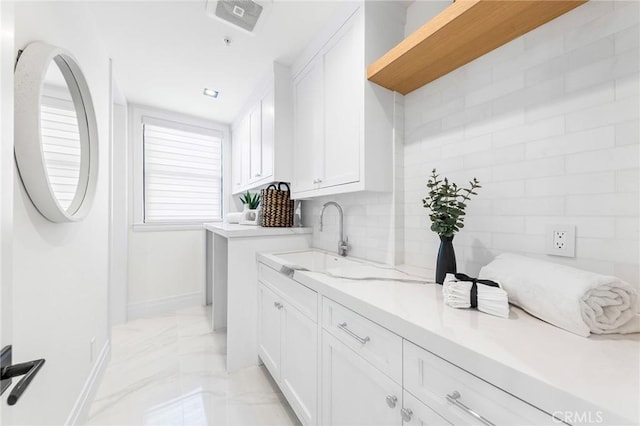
x,y
343,244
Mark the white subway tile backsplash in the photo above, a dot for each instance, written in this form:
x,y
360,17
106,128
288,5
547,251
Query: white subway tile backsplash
x,y
590,140
628,38
593,183
611,68
593,96
571,60
468,146
553,166
540,206
628,180
495,90
628,133
603,114
629,85
568,22
620,204
549,127
604,25
618,158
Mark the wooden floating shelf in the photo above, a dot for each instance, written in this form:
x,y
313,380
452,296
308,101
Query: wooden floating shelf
x,y
464,31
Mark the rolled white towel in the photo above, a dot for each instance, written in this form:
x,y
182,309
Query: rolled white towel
x,y
456,292
579,301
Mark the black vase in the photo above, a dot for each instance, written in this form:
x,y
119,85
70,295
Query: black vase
x,y
446,259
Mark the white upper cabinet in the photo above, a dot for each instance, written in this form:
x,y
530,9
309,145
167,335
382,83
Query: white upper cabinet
x,y
343,125
262,135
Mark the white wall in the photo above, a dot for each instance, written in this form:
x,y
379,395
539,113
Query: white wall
x,y
60,270
165,263
549,124
6,182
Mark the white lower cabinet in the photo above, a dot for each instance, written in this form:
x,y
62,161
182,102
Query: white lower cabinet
x,y
269,329
364,374
288,341
299,371
354,392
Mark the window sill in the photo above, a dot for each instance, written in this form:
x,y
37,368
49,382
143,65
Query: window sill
x,y
153,227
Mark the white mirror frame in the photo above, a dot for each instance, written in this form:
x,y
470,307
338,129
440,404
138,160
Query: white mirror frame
x,y
30,73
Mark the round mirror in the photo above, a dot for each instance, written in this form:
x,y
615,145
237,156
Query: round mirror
x,y
56,144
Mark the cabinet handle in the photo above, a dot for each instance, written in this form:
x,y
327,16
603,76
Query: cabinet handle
x,y
454,398
277,305
392,400
258,175
406,414
343,327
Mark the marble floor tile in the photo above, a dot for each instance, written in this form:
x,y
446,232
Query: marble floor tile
x,y
170,370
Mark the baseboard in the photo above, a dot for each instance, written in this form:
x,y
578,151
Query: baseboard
x,y
80,411
163,305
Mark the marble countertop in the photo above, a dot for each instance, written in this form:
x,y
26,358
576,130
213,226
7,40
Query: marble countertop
x,y
546,366
232,230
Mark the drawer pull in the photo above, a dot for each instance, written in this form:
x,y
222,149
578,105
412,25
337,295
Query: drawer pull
x,y
406,414
343,327
392,400
454,398
277,305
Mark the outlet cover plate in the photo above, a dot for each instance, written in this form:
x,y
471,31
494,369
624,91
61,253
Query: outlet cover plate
x,y
560,240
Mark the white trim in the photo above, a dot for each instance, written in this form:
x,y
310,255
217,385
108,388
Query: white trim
x,y
163,305
80,411
152,227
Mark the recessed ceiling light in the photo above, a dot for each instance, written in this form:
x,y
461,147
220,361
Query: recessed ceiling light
x,y
211,93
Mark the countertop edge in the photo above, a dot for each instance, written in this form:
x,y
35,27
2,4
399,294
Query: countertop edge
x,y
241,231
545,396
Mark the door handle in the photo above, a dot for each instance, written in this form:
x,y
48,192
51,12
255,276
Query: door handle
x,y
27,369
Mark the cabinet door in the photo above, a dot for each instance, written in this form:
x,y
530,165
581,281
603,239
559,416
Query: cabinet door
x,y
255,137
309,127
269,335
236,161
344,76
268,134
299,371
244,137
418,414
353,391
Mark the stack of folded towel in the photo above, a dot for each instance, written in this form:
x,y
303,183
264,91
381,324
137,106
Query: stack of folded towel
x,y
578,301
462,291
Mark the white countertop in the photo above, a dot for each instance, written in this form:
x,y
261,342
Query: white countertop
x,y
548,367
232,230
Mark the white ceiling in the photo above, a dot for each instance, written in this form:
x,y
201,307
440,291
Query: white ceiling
x,y
166,53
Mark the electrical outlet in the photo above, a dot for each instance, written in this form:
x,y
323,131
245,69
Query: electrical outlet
x,y
561,240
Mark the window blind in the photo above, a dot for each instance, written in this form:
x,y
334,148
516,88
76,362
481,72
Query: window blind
x,y
182,173
61,147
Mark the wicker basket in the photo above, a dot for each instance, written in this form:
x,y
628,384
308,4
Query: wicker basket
x,y
277,206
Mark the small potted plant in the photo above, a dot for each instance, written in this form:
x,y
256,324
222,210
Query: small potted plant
x,y
446,203
251,203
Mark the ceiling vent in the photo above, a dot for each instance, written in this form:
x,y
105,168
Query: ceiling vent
x,y
243,14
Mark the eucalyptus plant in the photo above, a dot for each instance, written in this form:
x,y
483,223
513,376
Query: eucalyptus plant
x,y
251,200
446,202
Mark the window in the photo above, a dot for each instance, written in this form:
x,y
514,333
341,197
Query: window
x,y
182,173
60,143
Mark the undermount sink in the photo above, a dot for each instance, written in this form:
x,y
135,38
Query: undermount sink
x,y
341,267
316,261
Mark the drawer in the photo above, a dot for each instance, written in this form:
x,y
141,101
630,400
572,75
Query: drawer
x,y
416,413
376,344
456,394
300,296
